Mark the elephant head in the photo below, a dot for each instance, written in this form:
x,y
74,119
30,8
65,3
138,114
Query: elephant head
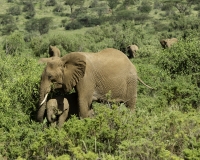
x,y
64,72
167,43
132,49
54,51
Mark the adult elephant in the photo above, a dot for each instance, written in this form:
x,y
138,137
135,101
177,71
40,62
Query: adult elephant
x,y
54,51
60,108
132,49
93,75
167,43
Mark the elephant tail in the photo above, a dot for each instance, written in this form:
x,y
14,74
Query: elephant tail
x,y
144,83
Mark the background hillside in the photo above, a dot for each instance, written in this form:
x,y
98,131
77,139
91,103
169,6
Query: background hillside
x,y
166,122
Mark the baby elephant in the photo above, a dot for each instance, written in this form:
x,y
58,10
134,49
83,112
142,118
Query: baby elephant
x,y
60,108
132,49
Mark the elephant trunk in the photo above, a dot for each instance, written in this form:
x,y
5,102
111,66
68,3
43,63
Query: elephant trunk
x,y
44,90
51,117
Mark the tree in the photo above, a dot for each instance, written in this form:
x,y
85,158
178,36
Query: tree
x,y
72,3
113,4
43,25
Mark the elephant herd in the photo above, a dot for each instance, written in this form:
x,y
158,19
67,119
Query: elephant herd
x,y
165,43
92,76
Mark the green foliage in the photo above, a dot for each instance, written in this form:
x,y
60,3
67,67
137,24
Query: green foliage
x,y
8,29
51,3
14,43
124,15
41,25
182,58
29,9
15,10
145,7
73,25
6,19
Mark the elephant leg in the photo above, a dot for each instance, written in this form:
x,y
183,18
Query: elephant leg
x,y
132,92
84,109
62,118
132,103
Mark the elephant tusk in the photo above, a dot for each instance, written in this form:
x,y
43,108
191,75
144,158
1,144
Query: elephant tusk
x,y
45,98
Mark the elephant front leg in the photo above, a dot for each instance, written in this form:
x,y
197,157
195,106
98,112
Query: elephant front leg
x,y
85,108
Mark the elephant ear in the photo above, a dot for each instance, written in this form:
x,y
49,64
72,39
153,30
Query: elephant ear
x,y
74,65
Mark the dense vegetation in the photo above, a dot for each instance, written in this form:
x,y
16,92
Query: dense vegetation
x,y
166,122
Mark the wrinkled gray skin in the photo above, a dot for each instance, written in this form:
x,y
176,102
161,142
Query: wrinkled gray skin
x,y
132,49
61,108
167,43
93,75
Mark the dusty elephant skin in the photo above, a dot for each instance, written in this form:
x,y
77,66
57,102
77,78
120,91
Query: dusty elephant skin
x,y
60,108
132,49
167,43
93,75
54,51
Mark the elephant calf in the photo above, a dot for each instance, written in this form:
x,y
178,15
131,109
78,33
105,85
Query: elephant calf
x,y
167,43
132,49
60,108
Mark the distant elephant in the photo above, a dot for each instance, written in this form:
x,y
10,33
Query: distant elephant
x,y
132,49
54,51
167,43
60,108
93,75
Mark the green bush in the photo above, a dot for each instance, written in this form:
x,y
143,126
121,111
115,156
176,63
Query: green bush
x,y
182,58
15,10
14,44
145,7
73,25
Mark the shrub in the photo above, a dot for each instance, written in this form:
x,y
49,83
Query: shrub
x,y
73,25
15,10
182,58
14,44
88,21
7,19
51,3
124,15
8,29
145,7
